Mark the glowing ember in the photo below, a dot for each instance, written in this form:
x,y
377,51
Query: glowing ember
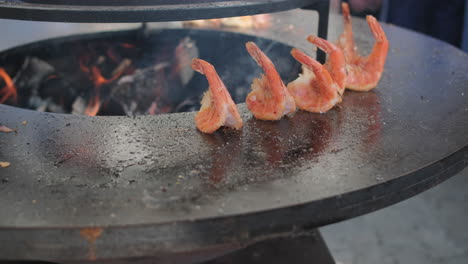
x,y
127,45
53,76
258,22
105,78
83,67
98,79
9,90
262,21
153,108
94,104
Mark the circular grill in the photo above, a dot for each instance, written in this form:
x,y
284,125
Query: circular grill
x,y
144,10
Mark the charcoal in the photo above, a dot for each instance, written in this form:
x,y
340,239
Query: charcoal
x,y
131,108
45,105
79,106
142,87
32,73
111,108
123,65
38,103
58,88
188,105
55,108
100,60
126,83
159,86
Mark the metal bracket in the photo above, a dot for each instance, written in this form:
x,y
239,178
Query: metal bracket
x,y
323,9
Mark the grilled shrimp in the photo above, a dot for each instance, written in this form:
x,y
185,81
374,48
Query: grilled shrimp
x,y
217,107
363,73
319,87
269,98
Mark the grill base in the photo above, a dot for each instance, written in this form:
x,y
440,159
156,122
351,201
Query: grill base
x,y
305,248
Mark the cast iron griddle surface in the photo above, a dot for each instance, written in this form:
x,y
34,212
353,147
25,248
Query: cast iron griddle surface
x,y
155,184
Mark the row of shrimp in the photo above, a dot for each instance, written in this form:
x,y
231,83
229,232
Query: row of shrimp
x,y
317,89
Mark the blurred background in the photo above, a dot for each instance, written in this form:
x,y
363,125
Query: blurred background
x,y
431,227
444,20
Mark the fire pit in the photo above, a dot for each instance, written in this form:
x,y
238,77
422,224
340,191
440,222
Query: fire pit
x,y
132,72
153,189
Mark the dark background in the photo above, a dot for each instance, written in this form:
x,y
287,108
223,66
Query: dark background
x,y
445,20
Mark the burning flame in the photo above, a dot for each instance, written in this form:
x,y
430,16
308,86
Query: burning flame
x,y
98,79
153,108
95,102
261,21
93,106
127,45
9,90
53,76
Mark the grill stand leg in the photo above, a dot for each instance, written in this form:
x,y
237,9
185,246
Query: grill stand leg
x,y
303,249
323,9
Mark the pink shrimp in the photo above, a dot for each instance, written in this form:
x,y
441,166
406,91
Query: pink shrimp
x,y
363,73
217,109
315,90
269,98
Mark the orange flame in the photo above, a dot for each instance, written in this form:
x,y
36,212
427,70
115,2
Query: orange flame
x,y
82,65
127,45
9,90
53,76
98,80
262,21
94,104
97,77
111,54
153,108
